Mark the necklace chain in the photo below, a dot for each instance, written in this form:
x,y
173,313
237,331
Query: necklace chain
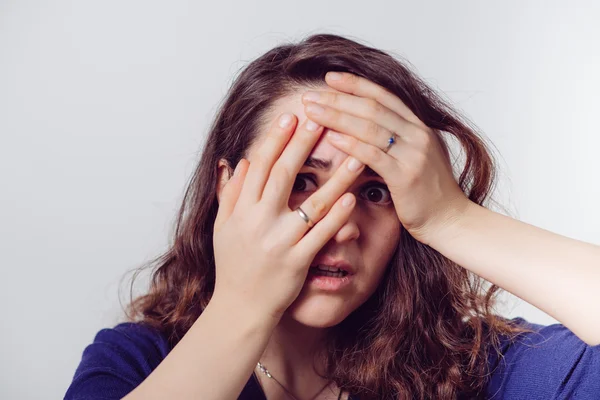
x,y
265,371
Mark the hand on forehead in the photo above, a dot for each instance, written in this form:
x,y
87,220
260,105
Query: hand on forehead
x,y
323,149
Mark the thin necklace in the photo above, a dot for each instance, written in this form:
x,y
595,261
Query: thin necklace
x,y
267,373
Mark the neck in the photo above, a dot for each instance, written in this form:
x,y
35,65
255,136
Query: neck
x,y
290,358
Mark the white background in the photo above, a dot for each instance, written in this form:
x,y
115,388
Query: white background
x,y
104,106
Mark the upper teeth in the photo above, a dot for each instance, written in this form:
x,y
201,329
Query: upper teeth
x,y
328,268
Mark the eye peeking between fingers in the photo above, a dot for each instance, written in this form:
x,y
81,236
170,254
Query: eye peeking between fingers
x,y
373,192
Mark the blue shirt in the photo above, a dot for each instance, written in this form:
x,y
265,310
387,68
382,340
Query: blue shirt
x,y
550,363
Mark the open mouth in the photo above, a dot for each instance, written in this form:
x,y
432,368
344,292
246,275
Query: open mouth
x,y
319,272
329,278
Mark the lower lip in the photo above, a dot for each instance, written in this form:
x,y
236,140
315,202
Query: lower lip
x,y
329,283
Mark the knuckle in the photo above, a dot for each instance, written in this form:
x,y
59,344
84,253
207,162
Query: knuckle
x,y
270,247
379,92
318,205
374,109
334,116
373,155
353,145
373,129
280,174
334,99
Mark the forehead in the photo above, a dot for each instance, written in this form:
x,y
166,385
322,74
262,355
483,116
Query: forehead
x,y
293,104
323,155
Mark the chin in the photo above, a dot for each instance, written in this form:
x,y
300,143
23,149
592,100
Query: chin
x,y
319,310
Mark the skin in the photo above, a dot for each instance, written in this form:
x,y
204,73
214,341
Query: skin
x,y
557,274
430,205
262,311
367,240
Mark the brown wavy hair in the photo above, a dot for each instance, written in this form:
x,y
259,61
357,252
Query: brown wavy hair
x,y
432,335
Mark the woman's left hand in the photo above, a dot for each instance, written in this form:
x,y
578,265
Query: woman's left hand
x,y
416,169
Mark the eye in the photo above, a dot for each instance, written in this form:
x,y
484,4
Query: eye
x,y
302,181
377,193
374,191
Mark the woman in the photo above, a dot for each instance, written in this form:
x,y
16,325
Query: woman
x,y
342,259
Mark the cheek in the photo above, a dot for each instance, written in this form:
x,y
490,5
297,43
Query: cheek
x,y
381,246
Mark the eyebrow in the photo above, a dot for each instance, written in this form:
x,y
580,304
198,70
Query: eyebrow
x,y
319,163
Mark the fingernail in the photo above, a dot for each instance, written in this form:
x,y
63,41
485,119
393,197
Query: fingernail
x,y
336,137
354,165
348,200
334,76
284,120
311,125
315,109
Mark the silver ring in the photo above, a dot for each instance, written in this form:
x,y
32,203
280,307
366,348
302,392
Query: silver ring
x,y
305,217
391,141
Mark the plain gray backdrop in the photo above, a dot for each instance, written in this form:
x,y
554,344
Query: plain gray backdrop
x,y
104,106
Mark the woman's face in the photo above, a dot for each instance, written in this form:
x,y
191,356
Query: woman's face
x,y
367,240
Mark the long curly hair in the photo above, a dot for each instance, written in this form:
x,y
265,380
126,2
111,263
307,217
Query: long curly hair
x,y
429,328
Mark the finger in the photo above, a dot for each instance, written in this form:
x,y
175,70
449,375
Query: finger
x,y
268,152
361,107
368,154
283,174
320,202
363,87
310,244
230,193
365,130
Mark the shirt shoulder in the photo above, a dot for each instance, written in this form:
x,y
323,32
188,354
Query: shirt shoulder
x,y
551,363
117,361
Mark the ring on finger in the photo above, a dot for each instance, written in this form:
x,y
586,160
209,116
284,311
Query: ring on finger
x,y
305,217
391,141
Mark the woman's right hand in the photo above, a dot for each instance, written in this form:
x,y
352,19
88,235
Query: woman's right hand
x,y
263,249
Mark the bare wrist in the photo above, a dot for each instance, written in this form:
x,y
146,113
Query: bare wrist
x,y
238,311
